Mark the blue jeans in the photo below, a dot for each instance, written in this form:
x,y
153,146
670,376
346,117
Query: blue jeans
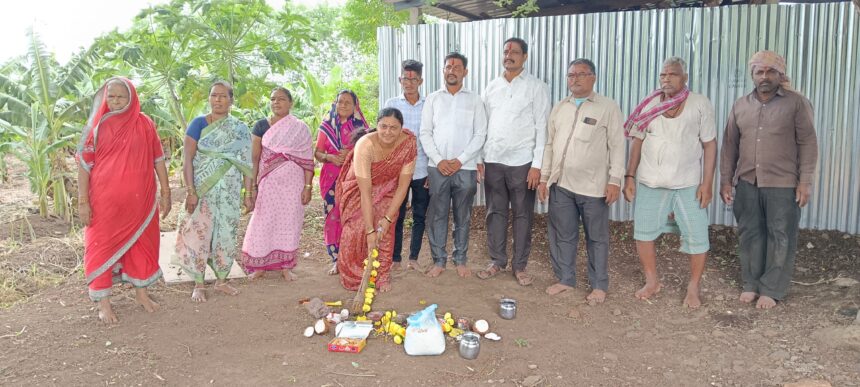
x,y
420,201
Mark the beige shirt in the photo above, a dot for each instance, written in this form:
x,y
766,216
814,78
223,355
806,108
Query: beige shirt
x,y
585,146
672,148
770,144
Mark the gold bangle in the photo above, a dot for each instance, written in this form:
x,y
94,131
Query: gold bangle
x,y
371,231
388,219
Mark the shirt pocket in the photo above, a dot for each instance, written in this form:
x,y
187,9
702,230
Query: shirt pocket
x,y
586,133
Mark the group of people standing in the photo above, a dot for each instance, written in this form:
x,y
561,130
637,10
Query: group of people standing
x,y
432,152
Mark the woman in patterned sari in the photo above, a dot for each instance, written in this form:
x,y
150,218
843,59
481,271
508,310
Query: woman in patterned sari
x,y
117,203
370,189
333,143
283,171
217,156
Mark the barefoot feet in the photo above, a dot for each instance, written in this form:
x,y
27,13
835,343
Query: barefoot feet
x,y
765,302
648,291
106,314
692,299
333,270
463,271
597,296
256,275
142,297
435,271
747,297
557,289
223,287
289,275
395,266
199,293
413,265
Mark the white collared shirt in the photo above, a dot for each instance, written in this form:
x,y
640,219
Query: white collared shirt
x,y
453,126
412,121
517,112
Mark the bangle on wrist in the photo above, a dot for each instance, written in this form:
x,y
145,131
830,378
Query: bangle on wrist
x,y
369,231
308,186
388,219
626,176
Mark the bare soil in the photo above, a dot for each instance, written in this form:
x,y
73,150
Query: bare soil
x,y
50,335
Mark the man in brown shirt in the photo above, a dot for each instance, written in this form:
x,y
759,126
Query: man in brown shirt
x,y
769,155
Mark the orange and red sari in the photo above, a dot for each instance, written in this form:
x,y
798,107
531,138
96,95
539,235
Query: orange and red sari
x,y
119,150
385,175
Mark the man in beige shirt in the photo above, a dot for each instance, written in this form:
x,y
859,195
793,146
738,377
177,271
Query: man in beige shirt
x,y
583,163
769,155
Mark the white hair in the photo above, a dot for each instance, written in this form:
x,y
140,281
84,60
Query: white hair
x,y
674,60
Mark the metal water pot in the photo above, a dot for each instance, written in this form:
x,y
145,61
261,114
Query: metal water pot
x,y
508,308
470,345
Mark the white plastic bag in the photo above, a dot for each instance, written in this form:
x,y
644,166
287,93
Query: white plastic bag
x,y
424,334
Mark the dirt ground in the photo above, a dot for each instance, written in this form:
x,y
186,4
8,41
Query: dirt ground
x,y
50,333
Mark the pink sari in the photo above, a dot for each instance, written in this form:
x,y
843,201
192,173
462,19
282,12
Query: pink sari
x,y
272,239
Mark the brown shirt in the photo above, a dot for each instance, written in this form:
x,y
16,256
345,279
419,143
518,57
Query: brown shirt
x,y
770,144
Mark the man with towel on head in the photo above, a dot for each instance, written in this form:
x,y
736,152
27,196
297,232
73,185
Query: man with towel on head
x,y
769,155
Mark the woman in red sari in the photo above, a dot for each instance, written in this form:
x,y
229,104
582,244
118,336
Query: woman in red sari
x,y
118,158
371,186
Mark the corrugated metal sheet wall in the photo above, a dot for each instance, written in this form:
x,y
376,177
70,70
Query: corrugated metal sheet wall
x,y
819,41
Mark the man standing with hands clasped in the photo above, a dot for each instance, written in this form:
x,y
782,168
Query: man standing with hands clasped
x,y
768,157
583,163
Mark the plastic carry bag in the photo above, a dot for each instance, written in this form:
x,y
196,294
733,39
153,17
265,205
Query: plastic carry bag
x,y
424,334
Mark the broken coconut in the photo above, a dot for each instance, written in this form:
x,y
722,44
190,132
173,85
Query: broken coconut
x,y
492,336
481,326
322,326
344,314
309,331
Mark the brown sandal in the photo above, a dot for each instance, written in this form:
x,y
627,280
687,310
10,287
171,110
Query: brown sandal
x,y
489,272
523,278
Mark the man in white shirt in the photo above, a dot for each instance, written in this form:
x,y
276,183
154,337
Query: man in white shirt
x,y
411,103
581,174
453,129
673,156
517,106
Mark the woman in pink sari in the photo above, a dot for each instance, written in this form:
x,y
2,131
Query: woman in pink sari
x,y
283,171
333,143
370,189
119,157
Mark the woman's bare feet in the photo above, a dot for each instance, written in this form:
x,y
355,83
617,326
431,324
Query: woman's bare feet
x,y
747,297
597,296
463,271
648,291
256,275
692,299
333,270
199,293
557,289
106,314
142,297
765,302
289,275
435,271
223,287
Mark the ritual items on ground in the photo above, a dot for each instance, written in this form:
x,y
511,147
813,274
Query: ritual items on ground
x,y
424,334
351,336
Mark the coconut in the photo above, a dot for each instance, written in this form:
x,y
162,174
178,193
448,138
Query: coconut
x,y
492,336
481,326
344,314
322,326
309,331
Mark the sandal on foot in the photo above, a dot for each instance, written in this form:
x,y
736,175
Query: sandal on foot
x,y
523,278
489,272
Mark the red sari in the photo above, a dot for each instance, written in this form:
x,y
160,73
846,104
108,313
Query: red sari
x,y
119,150
385,175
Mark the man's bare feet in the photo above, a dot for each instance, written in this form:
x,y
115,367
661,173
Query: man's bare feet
x,y
747,297
199,293
692,299
765,302
413,265
597,296
557,289
289,275
256,275
223,287
648,291
463,271
395,266
435,271
106,314
384,287
333,270
142,297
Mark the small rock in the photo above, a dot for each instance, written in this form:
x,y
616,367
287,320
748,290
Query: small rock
x,y
779,355
616,312
692,338
533,366
532,380
606,369
575,314
846,236
809,245
843,282
801,269
610,356
825,236
808,383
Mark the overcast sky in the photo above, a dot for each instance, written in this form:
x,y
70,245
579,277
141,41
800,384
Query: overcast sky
x,y
67,25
